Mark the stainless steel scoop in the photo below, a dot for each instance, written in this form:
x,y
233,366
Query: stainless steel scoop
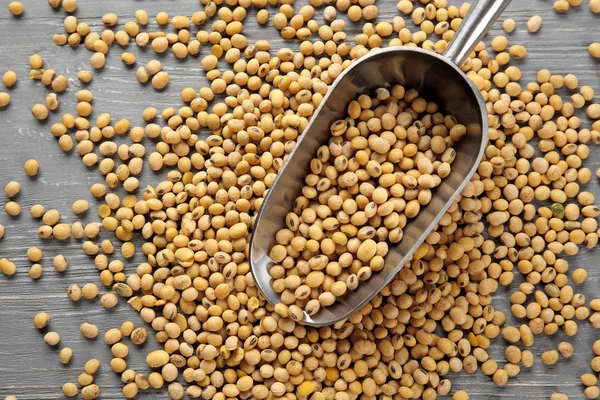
x,y
436,77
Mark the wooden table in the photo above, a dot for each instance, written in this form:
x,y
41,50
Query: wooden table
x,y
29,369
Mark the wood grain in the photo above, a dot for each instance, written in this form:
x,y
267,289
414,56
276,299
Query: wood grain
x,y
28,368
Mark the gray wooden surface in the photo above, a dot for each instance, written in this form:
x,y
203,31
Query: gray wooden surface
x,y
28,368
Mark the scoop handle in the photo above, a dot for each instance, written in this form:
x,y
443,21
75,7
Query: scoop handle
x,y
477,23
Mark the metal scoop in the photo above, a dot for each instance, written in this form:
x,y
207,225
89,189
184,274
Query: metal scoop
x,y
437,78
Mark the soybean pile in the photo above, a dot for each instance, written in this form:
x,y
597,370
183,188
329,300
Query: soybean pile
x,y
523,214
380,166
